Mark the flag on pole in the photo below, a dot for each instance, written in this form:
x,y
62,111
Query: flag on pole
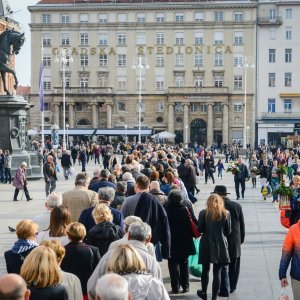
x,y
41,87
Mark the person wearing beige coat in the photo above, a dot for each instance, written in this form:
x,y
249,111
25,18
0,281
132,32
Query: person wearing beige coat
x,y
80,197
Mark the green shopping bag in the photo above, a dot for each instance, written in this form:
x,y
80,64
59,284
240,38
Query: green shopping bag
x,y
194,267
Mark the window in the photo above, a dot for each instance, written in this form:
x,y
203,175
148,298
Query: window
x,y
198,60
159,38
203,107
159,106
179,38
198,38
271,105
272,15
121,18
199,16
287,105
218,107
140,18
122,38
288,55
237,107
84,38
160,17
46,39
179,81
288,79
219,58
218,80
288,13
103,81
219,37
179,60
46,106
84,60
160,83
121,106
142,106
103,18
79,106
102,60
159,60
103,38
272,33
272,79
198,81
84,82
67,84
218,16
238,16
83,18
46,18
238,82
65,18
193,107
238,37
143,83
47,61
237,59
272,55
121,85
65,39
179,17
288,33
140,38
47,85
122,60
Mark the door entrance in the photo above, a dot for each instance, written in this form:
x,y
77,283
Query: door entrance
x,y
198,132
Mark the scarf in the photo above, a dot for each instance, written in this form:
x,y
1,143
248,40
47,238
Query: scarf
x,y
21,246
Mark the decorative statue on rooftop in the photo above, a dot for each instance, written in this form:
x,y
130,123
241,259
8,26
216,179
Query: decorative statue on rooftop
x,y
11,42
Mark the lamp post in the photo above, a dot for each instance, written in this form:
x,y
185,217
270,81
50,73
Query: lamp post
x,y
246,64
186,133
64,57
140,65
125,126
67,125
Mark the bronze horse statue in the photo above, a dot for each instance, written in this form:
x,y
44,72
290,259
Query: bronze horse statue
x,y
11,42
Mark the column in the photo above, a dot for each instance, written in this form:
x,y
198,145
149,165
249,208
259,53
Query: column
x,y
171,118
186,138
210,130
71,115
225,124
56,114
94,115
108,115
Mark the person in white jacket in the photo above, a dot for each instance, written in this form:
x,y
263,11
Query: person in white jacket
x,y
126,261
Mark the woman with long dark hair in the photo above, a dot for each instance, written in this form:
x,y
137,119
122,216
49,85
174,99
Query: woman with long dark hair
x,y
214,224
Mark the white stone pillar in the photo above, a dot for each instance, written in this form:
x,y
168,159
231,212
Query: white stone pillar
x,y
171,118
210,130
108,115
186,124
56,114
94,115
71,115
225,124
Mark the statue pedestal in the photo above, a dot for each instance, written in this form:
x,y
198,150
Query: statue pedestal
x,y
13,135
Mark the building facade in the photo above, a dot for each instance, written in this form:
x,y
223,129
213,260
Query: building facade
x,y
278,72
195,84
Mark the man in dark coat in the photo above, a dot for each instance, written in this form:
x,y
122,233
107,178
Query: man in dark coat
x,y
240,178
103,182
189,179
235,239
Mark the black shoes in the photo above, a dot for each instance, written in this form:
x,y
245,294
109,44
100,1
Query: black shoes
x,y
174,292
29,199
11,229
223,294
16,200
186,290
237,198
202,295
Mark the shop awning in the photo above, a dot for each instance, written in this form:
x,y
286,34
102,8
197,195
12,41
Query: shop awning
x,y
122,131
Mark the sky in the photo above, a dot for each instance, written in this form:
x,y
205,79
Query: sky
x,y
23,59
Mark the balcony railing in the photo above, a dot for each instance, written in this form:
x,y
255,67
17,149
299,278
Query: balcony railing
x,y
280,115
198,90
267,21
84,90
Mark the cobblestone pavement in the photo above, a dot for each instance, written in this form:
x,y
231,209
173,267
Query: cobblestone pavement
x,y
260,253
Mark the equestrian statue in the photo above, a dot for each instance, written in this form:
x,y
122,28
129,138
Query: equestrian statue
x,y
11,42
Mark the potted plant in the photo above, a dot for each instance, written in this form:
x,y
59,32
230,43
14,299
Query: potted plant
x,y
285,194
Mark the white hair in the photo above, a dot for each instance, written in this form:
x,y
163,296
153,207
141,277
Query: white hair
x,y
139,231
23,164
96,172
54,200
112,287
127,176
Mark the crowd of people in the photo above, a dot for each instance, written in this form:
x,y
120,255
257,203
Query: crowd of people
x,y
110,232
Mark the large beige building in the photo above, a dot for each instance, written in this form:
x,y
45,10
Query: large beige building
x,y
193,87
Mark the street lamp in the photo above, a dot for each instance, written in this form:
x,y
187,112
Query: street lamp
x,y
186,133
67,125
246,64
140,65
125,126
64,57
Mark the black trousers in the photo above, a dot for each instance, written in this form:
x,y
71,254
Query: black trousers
x,y
217,268
25,192
179,273
234,272
237,183
209,174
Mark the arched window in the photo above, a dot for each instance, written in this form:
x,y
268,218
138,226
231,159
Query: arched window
x,y
83,122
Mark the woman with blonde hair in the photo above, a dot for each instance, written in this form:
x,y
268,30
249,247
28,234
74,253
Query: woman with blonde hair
x,y
127,262
60,218
104,232
70,281
215,225
41,272
27,232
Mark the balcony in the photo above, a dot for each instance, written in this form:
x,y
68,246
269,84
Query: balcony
x,y
280,115
198,90
267,21
84,90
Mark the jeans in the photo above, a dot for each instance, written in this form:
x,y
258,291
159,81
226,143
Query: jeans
x,y
179,273
50,186
66,172
25,192
83,167
217,268
2,173
97,159
274,182
220,173
224,288
7,175
158,253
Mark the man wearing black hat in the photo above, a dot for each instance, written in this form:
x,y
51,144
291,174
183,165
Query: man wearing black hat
x,y
235,239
